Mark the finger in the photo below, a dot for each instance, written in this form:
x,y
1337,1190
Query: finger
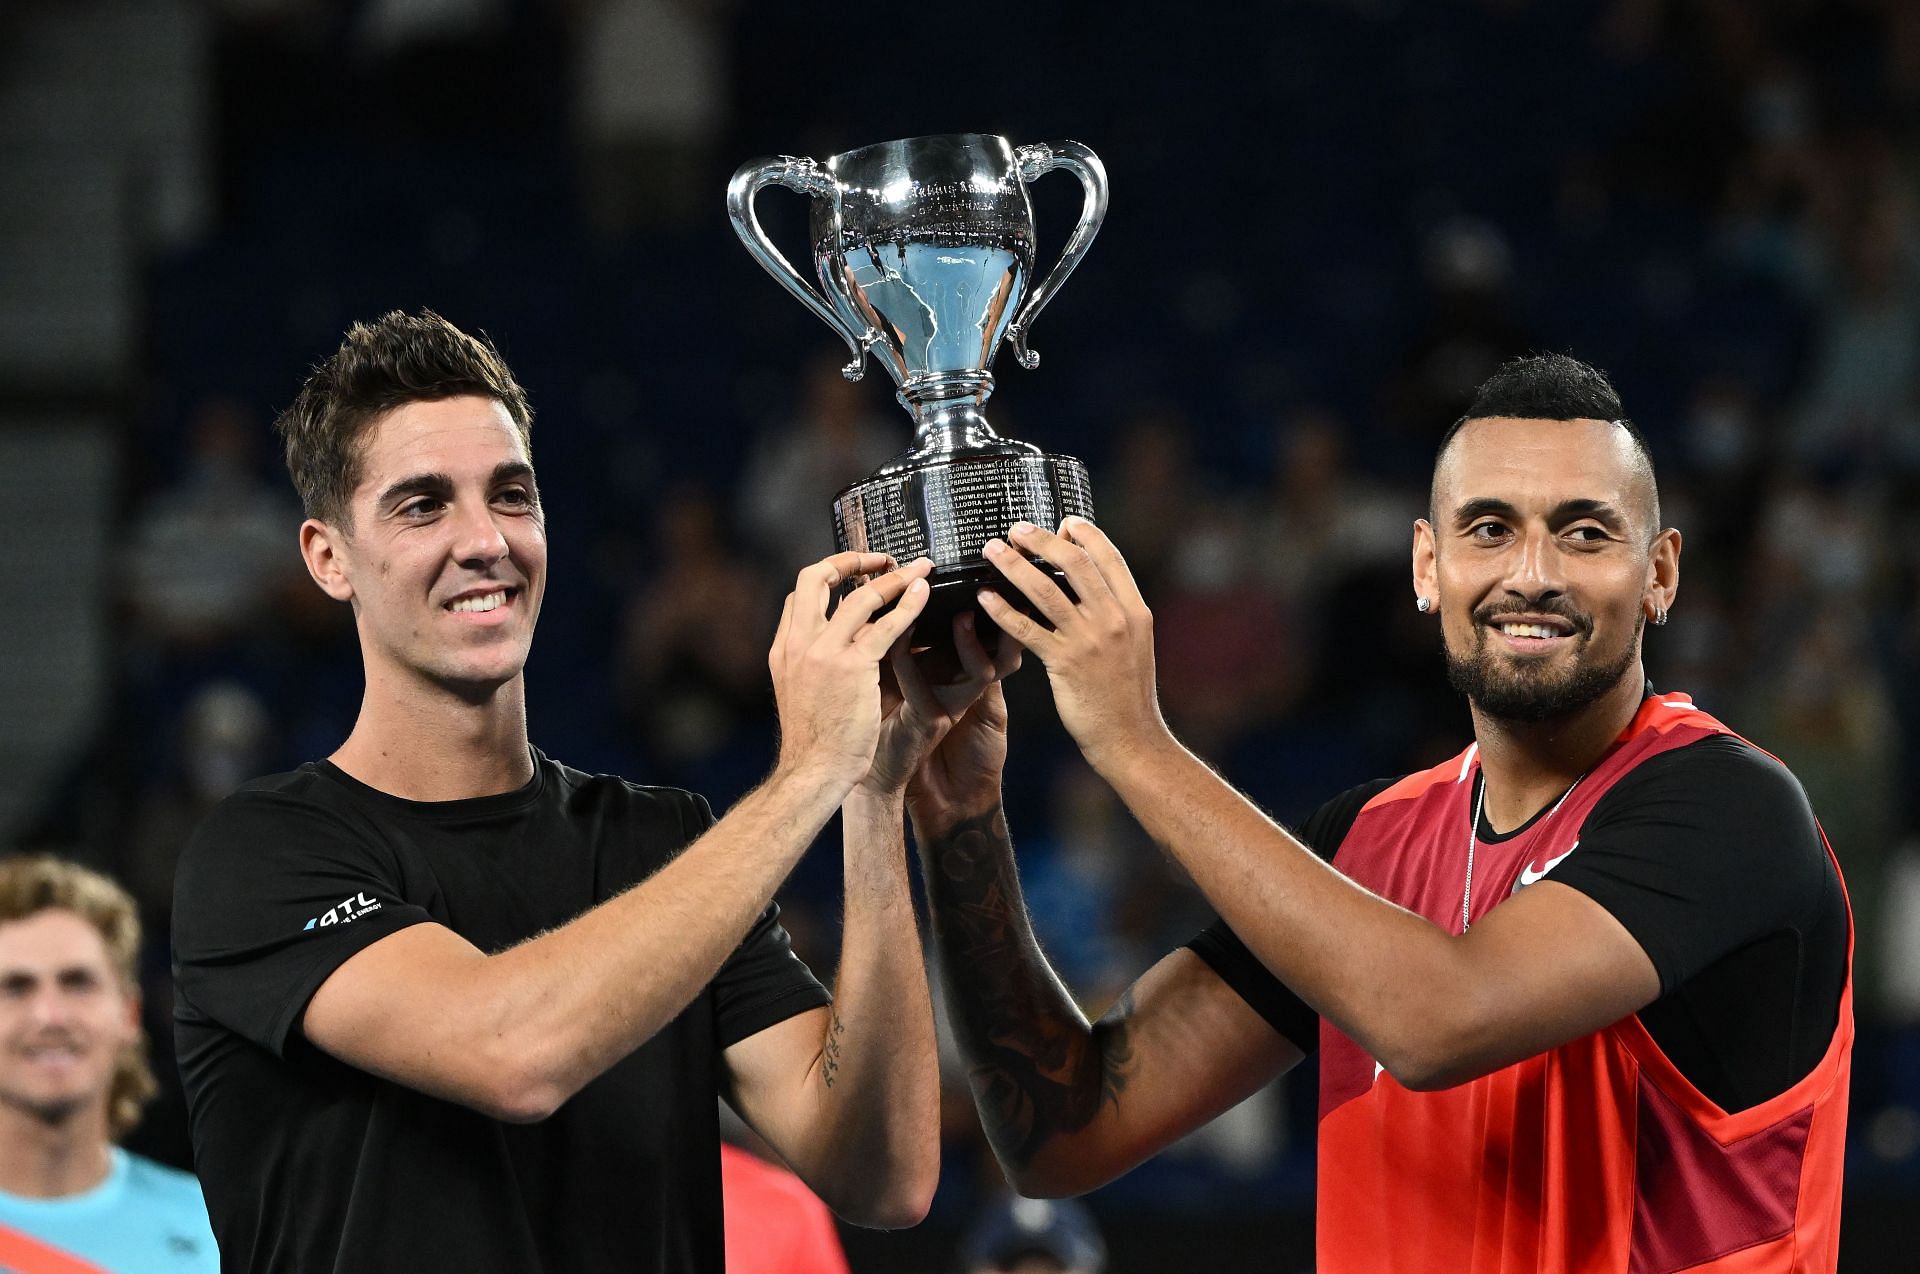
x,y
913,685
815,583
1080,569
975,664
877,637
1014,624
859,606
1006,657
1113,567
1031,581
777,656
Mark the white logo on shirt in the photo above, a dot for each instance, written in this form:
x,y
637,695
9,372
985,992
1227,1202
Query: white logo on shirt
x,y
349,909
1529,876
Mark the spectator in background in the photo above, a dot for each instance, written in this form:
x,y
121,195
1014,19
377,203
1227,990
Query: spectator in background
x,y
1033,1236
209,555
692,674
73,1080
799,465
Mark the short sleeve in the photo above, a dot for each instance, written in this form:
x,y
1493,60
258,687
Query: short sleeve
x,y
763,982
1240,969
274,892
1700,851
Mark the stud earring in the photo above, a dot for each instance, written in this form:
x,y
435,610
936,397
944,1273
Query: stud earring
x,y
1423,604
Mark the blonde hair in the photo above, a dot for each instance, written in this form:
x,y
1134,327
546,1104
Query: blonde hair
x,y
33,883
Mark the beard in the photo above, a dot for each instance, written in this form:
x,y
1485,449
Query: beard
x,y
1527,690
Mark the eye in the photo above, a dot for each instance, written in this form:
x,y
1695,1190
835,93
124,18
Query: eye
x,y
519,497
1588,533
1487,532
420,507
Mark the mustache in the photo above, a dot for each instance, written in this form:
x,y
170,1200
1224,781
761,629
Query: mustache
x,y
1581,621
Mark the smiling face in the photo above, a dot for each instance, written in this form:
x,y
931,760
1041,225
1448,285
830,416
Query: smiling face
x,y
1544,563
65,1017
446,561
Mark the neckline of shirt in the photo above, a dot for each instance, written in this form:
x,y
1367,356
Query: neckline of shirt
x,y
462,808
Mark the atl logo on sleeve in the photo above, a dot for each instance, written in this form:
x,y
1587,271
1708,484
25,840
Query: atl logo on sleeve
x,y
346,911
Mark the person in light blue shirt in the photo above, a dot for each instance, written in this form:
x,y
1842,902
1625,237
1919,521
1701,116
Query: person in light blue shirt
x,y
73,1081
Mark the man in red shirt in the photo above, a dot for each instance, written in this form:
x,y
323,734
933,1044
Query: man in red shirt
x,y
1581,994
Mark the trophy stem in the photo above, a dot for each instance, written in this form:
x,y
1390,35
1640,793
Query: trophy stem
x,y
947,417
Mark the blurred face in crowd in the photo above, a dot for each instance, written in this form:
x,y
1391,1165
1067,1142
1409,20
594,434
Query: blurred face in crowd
x,y
1544,561
1035,1264
65,1016
446,561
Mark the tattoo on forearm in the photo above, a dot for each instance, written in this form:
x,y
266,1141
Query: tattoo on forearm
x,y
1036,1066
830,1058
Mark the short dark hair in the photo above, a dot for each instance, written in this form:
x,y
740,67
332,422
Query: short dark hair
x,y
397,359
1552,387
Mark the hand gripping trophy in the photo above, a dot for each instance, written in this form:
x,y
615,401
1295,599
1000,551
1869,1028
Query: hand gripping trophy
x,y
925,252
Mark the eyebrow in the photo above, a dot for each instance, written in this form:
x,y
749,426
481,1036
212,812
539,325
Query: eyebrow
x,y
441,484
1565,511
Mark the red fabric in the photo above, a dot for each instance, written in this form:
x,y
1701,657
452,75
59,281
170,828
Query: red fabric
x,y
774,1224
24,1254
1597,1157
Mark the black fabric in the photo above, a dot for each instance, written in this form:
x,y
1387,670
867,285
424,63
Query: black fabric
x,y
1240,969
311,1165
1710,857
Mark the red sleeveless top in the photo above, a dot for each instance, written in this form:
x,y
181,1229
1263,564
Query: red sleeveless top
x,y
1596,1157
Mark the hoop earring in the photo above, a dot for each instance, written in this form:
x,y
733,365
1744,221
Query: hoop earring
x,y
1659,617
1423,604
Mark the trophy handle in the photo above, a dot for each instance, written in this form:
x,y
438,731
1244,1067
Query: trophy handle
x,y
803,176
1033,161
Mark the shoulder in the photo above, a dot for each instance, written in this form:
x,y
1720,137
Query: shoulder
x,y
1719,777
665,810
159,1183
1327,826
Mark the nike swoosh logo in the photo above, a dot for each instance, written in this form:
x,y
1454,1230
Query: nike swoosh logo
x,y
1528,875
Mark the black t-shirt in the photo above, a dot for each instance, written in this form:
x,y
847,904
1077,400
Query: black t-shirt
x,y
309,1164
1709,856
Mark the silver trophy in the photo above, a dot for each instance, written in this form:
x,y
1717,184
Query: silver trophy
x,y
925,252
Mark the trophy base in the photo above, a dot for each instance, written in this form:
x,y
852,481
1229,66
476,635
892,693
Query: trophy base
x,y
946,507
954,591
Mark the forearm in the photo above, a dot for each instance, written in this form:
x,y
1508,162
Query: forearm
x,y
1039,1071
875,1088
570,1003
1392,980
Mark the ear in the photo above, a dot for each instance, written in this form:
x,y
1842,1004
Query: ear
x,y
1426,570
1663,573
322,548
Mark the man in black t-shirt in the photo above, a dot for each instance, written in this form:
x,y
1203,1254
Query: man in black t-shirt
x,y
446,1004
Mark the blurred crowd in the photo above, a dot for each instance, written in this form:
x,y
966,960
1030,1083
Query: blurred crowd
x,y
1718,201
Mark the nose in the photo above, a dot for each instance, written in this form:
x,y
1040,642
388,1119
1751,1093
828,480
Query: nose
x,y
1536,573
50,1007
478,541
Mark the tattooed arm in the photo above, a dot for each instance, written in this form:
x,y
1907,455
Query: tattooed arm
x,y
850,1095
1069,1105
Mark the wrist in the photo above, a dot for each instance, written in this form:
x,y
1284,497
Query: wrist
x,y
1141,759
934,818
808,785
871,804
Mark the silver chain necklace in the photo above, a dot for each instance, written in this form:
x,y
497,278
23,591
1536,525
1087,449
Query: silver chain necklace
x,y
1473,838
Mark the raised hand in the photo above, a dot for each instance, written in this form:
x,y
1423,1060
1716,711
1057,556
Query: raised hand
x,y
1098,650
953,730
826,672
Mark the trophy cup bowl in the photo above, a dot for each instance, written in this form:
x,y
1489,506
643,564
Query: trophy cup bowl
x,y
924,249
